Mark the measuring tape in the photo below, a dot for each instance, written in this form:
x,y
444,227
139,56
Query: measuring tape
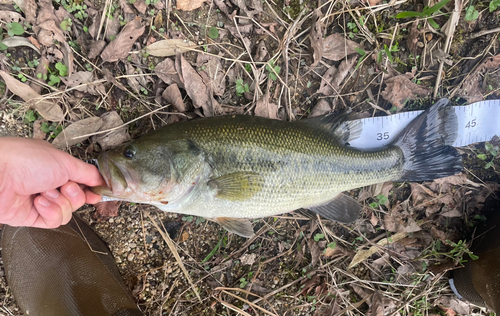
x,y
477,122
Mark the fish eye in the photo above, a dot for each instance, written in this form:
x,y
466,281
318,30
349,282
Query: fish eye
x,y
129,153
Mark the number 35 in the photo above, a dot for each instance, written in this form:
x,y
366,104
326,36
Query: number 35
x,y
381,136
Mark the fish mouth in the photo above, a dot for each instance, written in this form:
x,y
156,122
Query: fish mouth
x,y
115,175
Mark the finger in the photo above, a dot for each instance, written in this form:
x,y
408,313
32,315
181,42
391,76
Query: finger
x,y
74,194
83,172
54,196
50,214
91,197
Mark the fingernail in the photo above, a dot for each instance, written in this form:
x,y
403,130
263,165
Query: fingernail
x,y
52,194
43,201
72,190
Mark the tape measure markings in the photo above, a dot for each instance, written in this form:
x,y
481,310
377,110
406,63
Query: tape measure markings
x,y
477,122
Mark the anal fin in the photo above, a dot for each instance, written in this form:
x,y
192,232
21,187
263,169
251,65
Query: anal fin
x,y
239,226
342,208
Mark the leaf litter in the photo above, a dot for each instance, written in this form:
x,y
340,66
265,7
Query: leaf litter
x,y
110,69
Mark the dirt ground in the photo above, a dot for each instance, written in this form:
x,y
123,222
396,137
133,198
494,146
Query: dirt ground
x,y
136,65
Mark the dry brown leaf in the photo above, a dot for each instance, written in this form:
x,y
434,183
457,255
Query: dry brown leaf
x,y
112,27
447,302
9,16
401,89
261,53
132,80
48,32
166,71
473,86
105,210
316,37
189,5
141,6
321,108
96,48
265,108
212,73
37,130
337,47
29,8
113,138
71,135
412,39
120,47
16,41
83,81
196,88
365,254
330,83
168,47
46,108
42,69
173,95
394,221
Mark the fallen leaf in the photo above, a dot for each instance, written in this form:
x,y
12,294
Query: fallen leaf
x,y
46,108
261,53
9,16
321,108
473,86
120,47
71,135
83,81
16,41
265,108
141,6
365,254
173,95
131,78
400,89
168,47
337,47
184,236
48,32
113,138
96,48
316,37
29,8
105,210
212,73
166,71
196,89
112,27
330,83
37,130
447,302
127,9
42,69
189,5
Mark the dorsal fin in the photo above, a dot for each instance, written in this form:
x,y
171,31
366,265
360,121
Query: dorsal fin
x,y
340,125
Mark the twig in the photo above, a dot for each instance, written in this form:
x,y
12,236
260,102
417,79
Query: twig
x,y
484,32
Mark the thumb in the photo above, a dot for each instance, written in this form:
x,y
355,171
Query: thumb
x,y
84,173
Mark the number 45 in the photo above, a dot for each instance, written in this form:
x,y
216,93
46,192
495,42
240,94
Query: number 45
x,y
471,124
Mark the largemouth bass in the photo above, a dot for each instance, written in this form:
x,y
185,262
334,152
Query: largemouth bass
x,y
231,168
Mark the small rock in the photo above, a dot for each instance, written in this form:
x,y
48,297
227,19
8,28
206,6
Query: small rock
x,y
131,257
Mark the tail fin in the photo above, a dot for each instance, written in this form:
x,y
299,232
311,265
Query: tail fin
x,y
426,144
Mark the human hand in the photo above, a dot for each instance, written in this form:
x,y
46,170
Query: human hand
x,y
40,186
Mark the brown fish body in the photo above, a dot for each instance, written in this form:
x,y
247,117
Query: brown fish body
x,y
60,272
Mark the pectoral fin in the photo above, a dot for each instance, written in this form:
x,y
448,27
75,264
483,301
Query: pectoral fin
x,y
239,226
342,208
237,186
